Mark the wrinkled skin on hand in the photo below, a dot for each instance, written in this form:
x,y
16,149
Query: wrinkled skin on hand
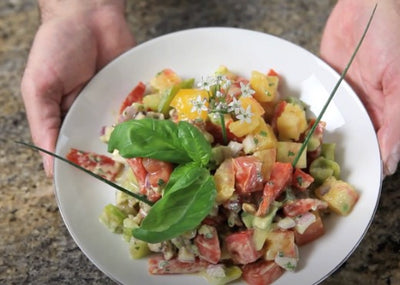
x,y
375,72
71,45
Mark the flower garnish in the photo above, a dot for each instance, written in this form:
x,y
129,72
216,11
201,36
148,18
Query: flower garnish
x,y
245,115
235,106
226,84
246,90
206,83
199,105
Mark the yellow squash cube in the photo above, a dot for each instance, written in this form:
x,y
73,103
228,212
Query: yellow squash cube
x,y
263,137
224,178
292,122
287,152
268,159
340,196
241,129
265,86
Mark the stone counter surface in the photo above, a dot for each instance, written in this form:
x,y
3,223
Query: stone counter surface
x,y
35,246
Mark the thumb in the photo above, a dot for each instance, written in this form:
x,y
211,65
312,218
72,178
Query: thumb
x,y
389,131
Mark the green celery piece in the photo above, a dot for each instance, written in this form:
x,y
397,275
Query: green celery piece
x,y
322,168
170,93
112,217
328,150
231,273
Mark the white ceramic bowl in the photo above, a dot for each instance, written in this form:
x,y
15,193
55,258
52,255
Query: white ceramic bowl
x,y
195,53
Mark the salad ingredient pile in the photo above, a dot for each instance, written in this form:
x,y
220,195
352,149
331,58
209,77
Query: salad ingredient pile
x,y
228,193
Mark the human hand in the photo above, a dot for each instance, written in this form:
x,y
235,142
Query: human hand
x,y
375,72
75,40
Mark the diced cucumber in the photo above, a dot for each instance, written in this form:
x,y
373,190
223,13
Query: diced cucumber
x,y
128,225
219,154
170,93
328,151
322,168
113,218
313,143
220,275
138,248
259,237
266,222
287,152
247,219
152,101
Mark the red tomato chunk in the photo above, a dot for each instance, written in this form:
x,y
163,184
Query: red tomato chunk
x,y
97,163
241,247
159,266
261,272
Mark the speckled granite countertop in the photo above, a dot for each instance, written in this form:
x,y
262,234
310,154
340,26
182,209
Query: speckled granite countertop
x,y
36,248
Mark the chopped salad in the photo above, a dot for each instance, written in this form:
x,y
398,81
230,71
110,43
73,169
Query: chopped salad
x,y
224,182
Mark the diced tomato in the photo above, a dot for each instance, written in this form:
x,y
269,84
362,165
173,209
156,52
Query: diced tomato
x,y
208,245
279,108
314,231
301,180
158,265
97,163
261,272
136,95
150,174
301,206
136,164
241,247
248,177
158,172
281,176
216,132
272,72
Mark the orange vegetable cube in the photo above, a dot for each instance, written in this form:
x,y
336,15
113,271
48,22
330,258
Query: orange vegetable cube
x,y
184,103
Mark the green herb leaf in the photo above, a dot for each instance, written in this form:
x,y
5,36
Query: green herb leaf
x,y
188,198
194,143
160,139
148,137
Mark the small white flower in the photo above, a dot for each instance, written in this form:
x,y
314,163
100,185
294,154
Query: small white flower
x,y
219,79
246,90
219,94
206,83
234,106
199,105
245,115
221,106
226,84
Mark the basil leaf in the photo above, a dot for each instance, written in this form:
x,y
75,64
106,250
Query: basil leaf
x,y
148,137
187,201
194,143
